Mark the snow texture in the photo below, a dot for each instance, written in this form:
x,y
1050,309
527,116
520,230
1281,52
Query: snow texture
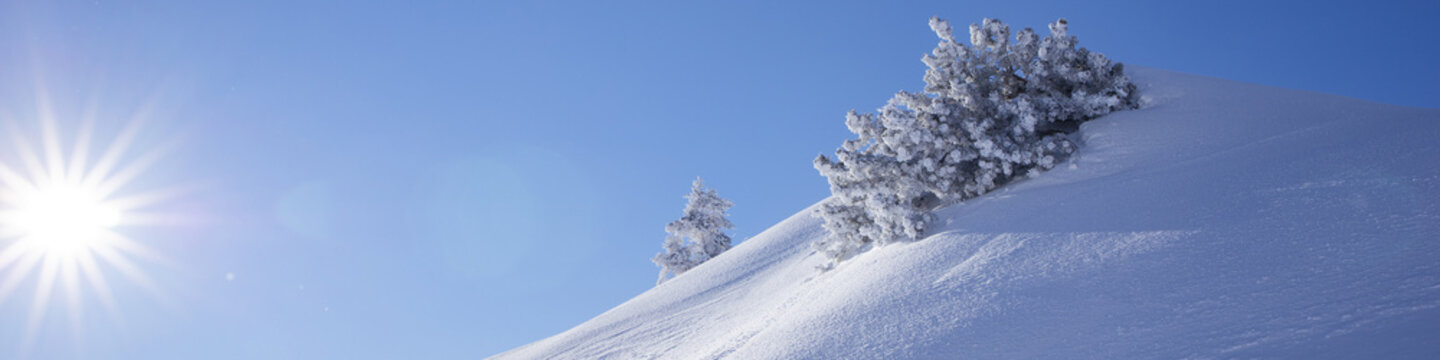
x,y
1223,220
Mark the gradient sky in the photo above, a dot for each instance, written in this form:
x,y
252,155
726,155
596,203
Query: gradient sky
x,y
451,180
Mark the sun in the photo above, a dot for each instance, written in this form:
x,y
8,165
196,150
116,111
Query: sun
x,y
63,219
62,216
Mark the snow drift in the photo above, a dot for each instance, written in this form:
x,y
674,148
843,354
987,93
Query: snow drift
x,y
1222,220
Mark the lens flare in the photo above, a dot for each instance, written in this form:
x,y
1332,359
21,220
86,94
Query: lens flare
x,y
60,217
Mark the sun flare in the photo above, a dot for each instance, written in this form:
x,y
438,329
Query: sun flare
x,y
61,216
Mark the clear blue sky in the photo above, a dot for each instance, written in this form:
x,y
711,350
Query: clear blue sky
x,y
451,180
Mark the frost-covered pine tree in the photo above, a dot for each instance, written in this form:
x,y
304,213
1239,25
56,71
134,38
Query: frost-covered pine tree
x,y
993,111
697,236
675,258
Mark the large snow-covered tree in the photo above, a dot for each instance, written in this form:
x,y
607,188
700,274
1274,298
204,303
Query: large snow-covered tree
x,y
992,111
697,236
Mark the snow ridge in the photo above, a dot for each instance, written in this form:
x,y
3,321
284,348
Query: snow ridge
x,y
1222,220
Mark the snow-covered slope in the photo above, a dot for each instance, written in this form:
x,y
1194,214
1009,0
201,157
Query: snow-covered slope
x,y
1223,220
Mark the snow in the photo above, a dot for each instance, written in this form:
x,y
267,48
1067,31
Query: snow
x,y
1223,220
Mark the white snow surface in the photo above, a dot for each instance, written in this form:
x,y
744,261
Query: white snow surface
x,y
1223,220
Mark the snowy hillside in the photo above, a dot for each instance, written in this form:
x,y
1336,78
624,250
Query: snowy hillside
x,y
1223,220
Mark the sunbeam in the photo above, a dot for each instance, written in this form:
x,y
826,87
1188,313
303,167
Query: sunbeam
x,y
61,215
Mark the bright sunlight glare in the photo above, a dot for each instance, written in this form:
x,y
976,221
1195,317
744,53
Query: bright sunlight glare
x,y
64,219
60,215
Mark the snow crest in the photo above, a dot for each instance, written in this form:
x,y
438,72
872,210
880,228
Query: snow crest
x,y
1222,220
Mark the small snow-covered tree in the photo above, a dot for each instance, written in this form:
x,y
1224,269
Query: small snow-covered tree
x,y
992,111
675,258
697,236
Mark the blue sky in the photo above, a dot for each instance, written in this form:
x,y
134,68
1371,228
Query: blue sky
x,y
447,180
